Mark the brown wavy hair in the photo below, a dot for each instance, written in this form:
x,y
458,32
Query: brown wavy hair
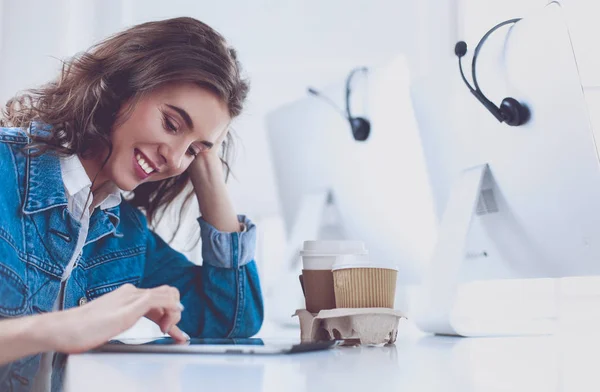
x,y
83,103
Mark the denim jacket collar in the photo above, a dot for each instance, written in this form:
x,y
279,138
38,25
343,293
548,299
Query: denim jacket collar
x,y
44,187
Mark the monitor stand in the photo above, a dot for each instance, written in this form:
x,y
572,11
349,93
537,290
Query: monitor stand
x,y
317,218
436,298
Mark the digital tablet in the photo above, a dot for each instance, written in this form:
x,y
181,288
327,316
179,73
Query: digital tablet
x,y
214,346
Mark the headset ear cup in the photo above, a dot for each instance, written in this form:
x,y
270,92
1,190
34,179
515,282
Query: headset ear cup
x,y
361,128
525,113
513,112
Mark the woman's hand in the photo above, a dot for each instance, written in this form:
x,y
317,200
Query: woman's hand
x,y
80,329
206,173
218,143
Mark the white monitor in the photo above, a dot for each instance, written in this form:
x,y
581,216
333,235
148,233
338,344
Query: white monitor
x,y
380,187
540,180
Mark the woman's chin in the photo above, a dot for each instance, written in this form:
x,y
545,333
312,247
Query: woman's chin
x,y
126,185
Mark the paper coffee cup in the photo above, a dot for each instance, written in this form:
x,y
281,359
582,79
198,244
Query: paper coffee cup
x,y
318,258
360,283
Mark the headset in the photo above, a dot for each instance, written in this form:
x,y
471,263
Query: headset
x,y
361,127
511,111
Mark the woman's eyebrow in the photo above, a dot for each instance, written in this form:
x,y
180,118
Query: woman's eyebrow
x,y
188,121
186,117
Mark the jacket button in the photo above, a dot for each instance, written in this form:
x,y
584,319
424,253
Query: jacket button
x,y
83,301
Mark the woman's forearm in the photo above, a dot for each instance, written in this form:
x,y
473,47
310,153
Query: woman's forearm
x,y
210,188
24,336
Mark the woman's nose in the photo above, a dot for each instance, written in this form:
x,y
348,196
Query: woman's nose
x,y
172,155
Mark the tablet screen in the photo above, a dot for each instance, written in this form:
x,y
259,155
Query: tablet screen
x,y
215,346
194,341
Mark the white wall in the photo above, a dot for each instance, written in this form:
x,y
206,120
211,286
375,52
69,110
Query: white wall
x,y
284,46
478,16
27,44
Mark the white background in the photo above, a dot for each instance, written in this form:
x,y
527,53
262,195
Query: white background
x,y
284,46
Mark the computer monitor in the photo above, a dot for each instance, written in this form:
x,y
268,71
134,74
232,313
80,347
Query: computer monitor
x,y
300,140
511,202
541,180
379,187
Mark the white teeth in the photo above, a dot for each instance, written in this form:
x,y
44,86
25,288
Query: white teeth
x,y
143,164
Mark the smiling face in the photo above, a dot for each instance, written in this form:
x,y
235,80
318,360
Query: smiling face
x,y
160,137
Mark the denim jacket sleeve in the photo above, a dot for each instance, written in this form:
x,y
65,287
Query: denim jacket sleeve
x,y
222,298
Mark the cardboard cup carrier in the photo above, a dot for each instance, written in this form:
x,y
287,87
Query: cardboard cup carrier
x,y
347,295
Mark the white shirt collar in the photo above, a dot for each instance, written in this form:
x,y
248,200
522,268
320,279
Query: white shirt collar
x,y
78,184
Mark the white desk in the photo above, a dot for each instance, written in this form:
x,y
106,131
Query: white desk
x,y
415,363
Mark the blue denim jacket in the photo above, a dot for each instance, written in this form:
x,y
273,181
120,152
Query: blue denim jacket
x,y
222,298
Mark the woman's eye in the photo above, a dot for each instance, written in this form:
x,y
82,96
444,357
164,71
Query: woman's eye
x,y
193,152
197,149
169,124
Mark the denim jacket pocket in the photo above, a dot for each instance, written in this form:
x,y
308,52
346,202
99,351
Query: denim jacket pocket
x,y
13,293
98,291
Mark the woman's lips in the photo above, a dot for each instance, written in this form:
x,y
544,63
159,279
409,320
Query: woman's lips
x,y
139,171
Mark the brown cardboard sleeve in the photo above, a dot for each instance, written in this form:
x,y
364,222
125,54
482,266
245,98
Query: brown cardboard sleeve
x,y
317,286
365,287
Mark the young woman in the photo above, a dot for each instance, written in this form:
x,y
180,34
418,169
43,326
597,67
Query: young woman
x,y
145,112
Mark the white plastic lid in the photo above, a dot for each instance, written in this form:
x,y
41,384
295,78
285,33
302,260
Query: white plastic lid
x,y
359,261
318,262
330,247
